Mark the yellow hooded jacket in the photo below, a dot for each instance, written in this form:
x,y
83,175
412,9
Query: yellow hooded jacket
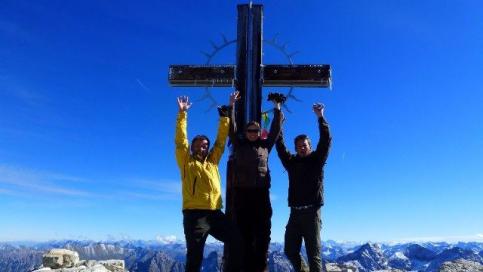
x,y
201,186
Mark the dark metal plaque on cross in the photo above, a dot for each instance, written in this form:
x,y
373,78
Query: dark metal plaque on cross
x,y
249,75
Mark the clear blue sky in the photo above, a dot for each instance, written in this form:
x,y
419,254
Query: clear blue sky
x,y
87,116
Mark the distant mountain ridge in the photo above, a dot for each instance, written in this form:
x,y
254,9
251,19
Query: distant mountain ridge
x,y
154,256
368,257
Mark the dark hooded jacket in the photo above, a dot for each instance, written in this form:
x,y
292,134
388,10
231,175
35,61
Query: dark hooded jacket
x,y
306,174
251,158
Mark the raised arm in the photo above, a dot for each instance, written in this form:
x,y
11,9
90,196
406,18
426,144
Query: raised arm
x,y
325,139
275,126
181,137
223,128
219,146
282,150
235,96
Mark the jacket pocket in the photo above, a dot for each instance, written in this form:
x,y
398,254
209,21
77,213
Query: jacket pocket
x,y
194,186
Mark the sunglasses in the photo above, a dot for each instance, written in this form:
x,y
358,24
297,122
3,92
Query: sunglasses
x,y
253,130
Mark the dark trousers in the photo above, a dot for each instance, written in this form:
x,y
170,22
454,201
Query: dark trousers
x,y
197,225
253,213
304,224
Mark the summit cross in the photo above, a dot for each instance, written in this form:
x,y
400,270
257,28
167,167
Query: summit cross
x,y
249,75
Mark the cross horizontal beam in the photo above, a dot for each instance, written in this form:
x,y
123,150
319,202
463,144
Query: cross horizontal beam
x,y
201,75
312,75
296,75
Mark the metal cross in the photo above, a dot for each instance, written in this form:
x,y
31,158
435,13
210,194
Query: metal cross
x,y
249,74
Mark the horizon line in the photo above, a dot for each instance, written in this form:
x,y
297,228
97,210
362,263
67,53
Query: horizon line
x,y
178,241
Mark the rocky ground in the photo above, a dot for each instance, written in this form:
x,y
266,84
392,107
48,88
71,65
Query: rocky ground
x,y
460,266
64,260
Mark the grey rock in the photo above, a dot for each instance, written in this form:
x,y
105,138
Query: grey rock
x,y
95,268
60,258
460,266
113,265
335,267
64,260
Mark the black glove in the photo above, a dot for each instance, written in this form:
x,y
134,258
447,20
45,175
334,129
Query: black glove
x,y
277,97
224,111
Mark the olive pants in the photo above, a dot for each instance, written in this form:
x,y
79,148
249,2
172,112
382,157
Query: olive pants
x,y
304,224
197,225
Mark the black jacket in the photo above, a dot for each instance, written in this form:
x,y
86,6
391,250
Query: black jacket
x,y
306,174
251,158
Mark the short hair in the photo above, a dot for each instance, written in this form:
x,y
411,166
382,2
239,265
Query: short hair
x,y
302,137
252,123
199,137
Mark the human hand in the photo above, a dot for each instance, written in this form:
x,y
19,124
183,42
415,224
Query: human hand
x,y
183,103
318,108
234,96
278,99
277,105
223,111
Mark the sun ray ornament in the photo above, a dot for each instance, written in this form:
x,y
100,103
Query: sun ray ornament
x,y
216,48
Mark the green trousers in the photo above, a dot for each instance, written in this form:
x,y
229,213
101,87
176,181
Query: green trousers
x,y
304,225
198,224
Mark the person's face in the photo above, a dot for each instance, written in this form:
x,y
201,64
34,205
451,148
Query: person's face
x,y
200,149
252,133
303,148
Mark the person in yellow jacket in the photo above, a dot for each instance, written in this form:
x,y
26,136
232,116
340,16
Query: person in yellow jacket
x,y
201,189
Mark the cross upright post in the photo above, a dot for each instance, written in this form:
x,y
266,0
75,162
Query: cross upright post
x,y
249,63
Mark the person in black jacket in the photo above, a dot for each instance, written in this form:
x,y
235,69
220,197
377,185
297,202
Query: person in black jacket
x,y
250,181
305,194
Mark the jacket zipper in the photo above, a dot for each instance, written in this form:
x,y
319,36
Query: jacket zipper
x,y
194,186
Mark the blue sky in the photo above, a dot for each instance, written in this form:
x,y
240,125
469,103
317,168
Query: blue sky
x,y
87,116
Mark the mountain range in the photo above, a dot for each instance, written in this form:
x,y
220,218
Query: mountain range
x,y
153,256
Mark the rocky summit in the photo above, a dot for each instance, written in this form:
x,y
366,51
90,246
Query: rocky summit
x,y
64,260
461,265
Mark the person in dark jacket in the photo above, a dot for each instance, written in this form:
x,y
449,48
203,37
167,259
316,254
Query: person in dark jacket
x,y
305,194
250,181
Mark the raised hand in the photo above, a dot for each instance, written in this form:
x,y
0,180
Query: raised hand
x,y
234,96
183,103
277,105
277,98
318,108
